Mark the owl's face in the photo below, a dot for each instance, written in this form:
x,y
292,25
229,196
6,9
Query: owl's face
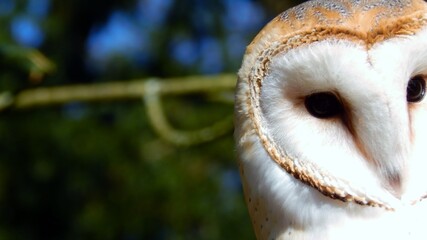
x,y
331,121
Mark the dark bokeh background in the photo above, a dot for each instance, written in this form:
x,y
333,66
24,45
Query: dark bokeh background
x,y
98,171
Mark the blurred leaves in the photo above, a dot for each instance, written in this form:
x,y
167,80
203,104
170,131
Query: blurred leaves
x,y
26,60
22,60
99,170
95,180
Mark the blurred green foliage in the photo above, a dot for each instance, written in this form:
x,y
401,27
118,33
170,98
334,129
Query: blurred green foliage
x,y
108,176
98,171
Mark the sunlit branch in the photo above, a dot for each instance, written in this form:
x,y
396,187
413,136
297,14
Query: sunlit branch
x,y
114,91
162,126
151,90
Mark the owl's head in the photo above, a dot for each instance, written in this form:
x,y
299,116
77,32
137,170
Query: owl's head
x,y
330,106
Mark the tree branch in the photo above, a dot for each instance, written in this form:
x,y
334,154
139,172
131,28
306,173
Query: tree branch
x,y
150,90
178,137
115,91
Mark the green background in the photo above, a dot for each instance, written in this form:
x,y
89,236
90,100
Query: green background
x,y
98,170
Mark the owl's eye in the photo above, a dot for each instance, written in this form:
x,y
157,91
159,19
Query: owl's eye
x,y
323,105
416,89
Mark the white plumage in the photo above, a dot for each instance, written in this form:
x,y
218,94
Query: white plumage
x,y
331,125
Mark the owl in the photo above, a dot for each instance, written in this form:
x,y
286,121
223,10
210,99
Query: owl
x,y
331,122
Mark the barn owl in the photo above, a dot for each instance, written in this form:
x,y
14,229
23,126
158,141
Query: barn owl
x,y
331,122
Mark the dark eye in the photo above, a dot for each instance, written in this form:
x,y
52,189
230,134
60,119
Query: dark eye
x,y
416,89
323,105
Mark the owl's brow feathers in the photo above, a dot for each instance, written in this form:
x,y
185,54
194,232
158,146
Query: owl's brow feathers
x,y
288,37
